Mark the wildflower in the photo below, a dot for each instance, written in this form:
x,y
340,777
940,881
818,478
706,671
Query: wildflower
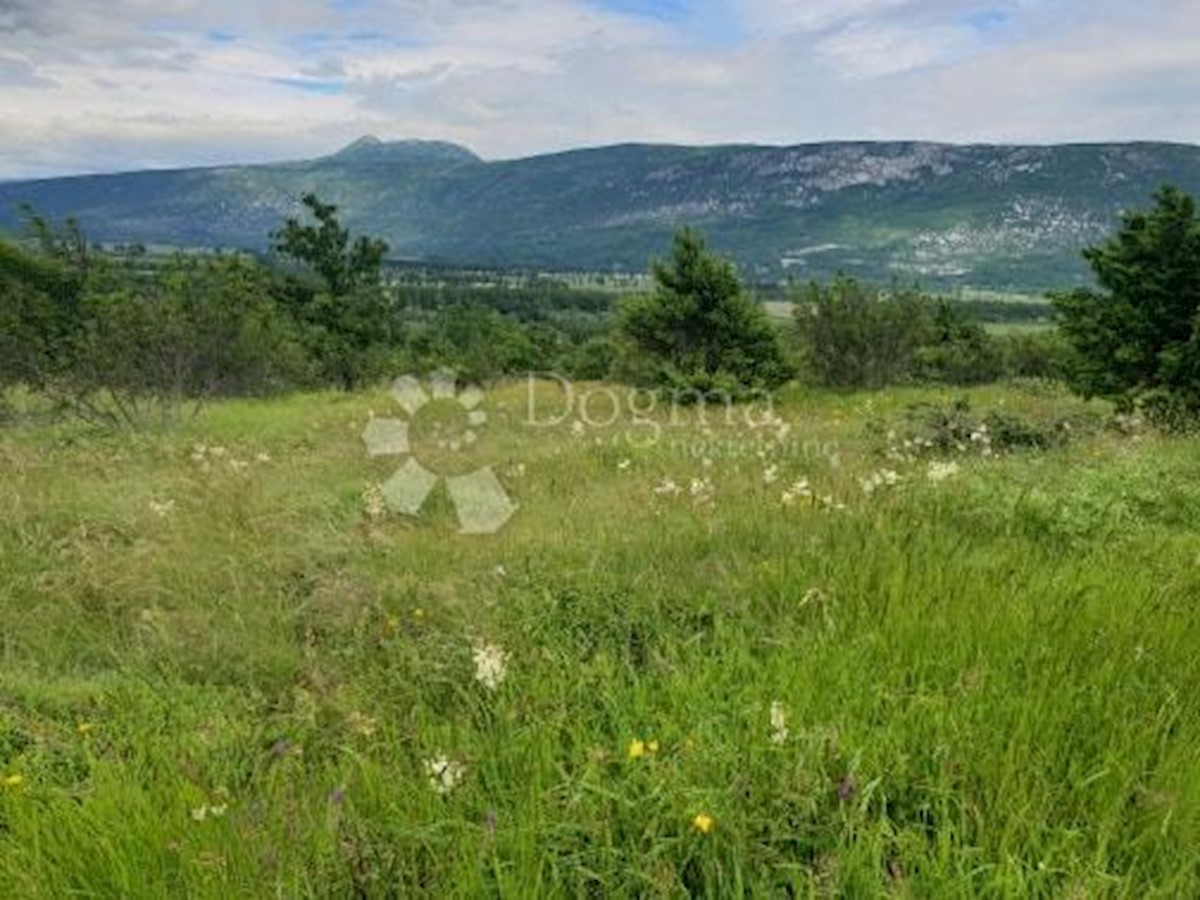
x,y
704,823
517,471
373,503
163,508
639,748
444,774
263,458
829,503
361,724
668,488
881,479
13,781
500,571
799,489
200,813
418,613
770,474
491,664
84,728
940,471
577,428
624,465
701,490
779,729
217,810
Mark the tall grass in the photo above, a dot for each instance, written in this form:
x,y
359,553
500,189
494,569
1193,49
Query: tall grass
x,y
220,677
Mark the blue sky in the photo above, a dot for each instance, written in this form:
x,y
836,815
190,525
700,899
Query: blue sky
x,y
102,85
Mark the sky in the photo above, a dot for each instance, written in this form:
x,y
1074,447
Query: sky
x,y
114,85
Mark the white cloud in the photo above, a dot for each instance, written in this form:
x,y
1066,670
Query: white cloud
x,y
89,85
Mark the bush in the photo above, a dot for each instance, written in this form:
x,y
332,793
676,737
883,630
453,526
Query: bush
x,y
1041,354
855,336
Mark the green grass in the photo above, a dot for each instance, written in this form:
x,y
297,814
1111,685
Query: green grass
x,y
989,682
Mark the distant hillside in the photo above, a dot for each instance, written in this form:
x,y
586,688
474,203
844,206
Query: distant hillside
x,y
1003,217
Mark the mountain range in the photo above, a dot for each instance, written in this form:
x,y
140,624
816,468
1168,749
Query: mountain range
x,y
985,216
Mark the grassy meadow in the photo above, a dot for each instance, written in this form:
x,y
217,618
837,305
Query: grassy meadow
x,y
791,657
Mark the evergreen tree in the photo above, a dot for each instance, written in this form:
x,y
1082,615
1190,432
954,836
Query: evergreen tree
x,y
1135,339
698,330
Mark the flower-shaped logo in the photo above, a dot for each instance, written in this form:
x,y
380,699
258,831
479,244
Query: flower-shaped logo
x,y
480,501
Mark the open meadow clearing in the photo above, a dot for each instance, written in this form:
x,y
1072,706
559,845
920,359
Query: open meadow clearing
x,y
842,649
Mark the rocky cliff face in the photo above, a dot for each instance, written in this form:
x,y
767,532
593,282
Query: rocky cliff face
x,y
988,216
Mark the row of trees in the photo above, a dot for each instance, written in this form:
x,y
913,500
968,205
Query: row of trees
x,y
110,336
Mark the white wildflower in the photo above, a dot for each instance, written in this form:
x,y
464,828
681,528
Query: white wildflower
x,y
373,503
828,503
668,488
623,465
577,428
940,471
876,480
799,490
701,490
491,664
779,729
444,774
770,474
162,508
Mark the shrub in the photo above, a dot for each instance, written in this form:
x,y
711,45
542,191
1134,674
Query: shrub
x,y
855,336
1037,354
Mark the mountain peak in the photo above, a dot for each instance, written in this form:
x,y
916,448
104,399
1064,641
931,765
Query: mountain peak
x,y
366,142
370,149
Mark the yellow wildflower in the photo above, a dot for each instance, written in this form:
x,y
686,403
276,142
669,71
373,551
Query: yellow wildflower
x,y
13,781
84,727
637,748
652,746
704,823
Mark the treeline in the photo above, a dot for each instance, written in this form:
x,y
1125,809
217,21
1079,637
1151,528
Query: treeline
x,y
122,337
